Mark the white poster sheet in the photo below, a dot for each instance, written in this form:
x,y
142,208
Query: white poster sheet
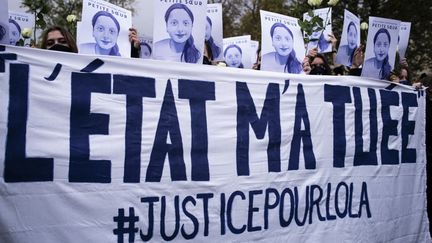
x,y
320,39
350,39
404,34
381,47
104,29
214,30
254,51
282,43
18,21
237,51
179,30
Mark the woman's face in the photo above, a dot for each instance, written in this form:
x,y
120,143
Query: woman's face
x,y
208,31
233,57
179,25
145,52
282,41
14,34
105,32
55,37
352,37
381,46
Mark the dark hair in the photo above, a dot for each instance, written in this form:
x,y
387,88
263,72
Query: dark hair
x,y
322,42
68,37
214,50
190,53
351,52
115,49
326,66
292,65
146,45
2,32
238,48
385,67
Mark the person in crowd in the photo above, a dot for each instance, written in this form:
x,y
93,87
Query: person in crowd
x,y
316,64
346,52
213,50
106,30
284,58
56,38
180,46
233,56
14,32
378,66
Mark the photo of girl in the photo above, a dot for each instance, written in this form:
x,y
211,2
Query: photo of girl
x,y
14,32
146,51
283,59
318,40
180,45
233,56
346,51
106,30
2,33
378,66
213,50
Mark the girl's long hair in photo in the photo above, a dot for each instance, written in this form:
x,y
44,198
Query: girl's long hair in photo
x,y
115,51
292,65
214,50
190,53
385,67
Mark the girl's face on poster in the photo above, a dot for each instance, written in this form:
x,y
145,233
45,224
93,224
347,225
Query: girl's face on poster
x,y
14,34
208,31
145,51
233,57
105,32
282,41
381,46
179,25
352,37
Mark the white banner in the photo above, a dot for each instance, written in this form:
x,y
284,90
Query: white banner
x,y
105,149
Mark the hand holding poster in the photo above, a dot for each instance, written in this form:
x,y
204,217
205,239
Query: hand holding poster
x,y
320,39
104,29
179,30
4,23
214,31
237,51
404,34
282,43
17,22
381,47
350,39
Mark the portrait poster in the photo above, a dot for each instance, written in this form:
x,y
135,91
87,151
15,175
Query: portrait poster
x,y
238,52
4,23
146,44
254,51
214,30
104,29
179,30
350,39
320,39
404,34
381,47
143,18
282,43
18,21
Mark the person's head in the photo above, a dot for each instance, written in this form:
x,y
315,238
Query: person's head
x,y
233,56
352,36
381,44
14,32
319,65
106,29
146,51
2,32
208,29
179,22
58,39
282,39
404,74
